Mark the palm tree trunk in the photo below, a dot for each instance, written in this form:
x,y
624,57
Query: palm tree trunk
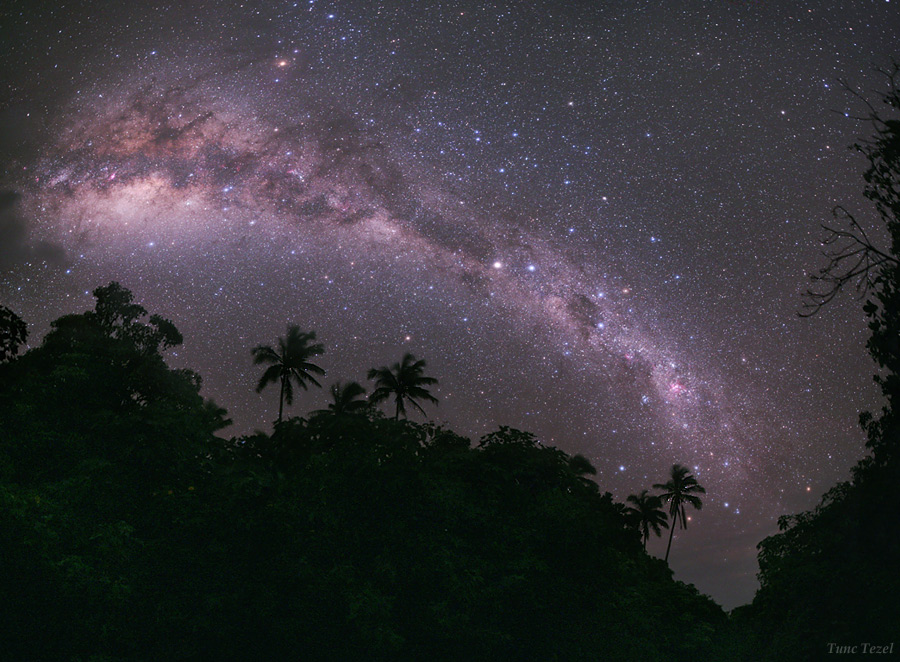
x,y
397,413
671,533
281,401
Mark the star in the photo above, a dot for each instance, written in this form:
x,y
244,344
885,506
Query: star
x,y
341,175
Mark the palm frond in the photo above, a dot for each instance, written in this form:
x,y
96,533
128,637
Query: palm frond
x,y
264,354
414,404
380,394
694,501
270,376
418,392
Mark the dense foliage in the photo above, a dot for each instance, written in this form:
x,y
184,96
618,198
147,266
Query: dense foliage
x,y
13,333
130,531
832,576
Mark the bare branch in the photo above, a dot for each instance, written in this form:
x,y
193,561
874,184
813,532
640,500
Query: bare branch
x,y
852,258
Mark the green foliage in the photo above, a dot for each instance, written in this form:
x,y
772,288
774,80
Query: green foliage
x,y
13,333
129,532
831,574
99,387
883,306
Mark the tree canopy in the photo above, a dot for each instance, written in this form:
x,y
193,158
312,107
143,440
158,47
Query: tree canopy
x,y
130,531
679,491
405,382
830,574
289,364
13,333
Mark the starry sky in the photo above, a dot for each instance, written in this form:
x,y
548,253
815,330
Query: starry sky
x,y
593,221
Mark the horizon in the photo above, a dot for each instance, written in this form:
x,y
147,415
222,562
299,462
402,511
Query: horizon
x,y
595,224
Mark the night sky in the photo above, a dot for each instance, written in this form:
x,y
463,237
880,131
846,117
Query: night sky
x,y
594,222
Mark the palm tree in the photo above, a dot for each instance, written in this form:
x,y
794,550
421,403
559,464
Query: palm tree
x,y
581,466
289,363
346,399
647,513
680,489
405,382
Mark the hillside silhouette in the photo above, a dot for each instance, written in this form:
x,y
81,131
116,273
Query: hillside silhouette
x,y
131,531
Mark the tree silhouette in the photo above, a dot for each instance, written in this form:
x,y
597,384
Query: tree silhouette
x,y
581,468
647,514
349,398
289,363
806,593
117,496
855,256
13,333
403,381
120,318
681,488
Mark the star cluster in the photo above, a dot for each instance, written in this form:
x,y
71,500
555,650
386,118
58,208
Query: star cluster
x,y
593,221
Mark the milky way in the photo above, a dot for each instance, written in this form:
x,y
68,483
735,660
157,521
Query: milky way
x,y
592,224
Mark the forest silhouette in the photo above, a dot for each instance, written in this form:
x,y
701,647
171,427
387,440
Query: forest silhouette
x,y
130,529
